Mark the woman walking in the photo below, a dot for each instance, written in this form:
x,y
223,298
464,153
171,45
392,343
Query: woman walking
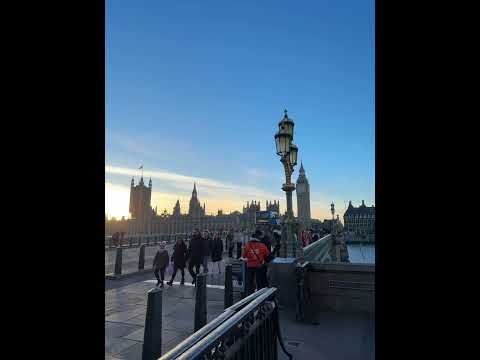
x,y
179,258
217,251
160,262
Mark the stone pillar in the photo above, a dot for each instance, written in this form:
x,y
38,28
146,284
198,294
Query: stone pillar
x,y
200,302
152,337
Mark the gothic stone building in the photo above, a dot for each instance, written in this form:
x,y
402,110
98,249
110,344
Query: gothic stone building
x,y
144,220
360,220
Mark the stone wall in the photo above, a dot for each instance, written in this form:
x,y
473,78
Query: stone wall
x,y
342,287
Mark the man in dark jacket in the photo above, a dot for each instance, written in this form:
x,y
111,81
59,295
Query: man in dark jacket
x,y
229,243
179,259
265,239
207,245
216,251
195,254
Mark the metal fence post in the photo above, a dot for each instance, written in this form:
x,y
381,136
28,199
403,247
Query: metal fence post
x,y
228,299
152,337
118,261
200,302
246,283
141,258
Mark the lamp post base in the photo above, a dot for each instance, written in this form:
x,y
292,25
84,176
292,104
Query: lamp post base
x,y
290,244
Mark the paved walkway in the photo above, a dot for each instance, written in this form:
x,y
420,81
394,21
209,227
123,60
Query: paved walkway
x,y
125,309
338,336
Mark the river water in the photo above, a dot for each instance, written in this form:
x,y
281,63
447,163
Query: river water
x,y
361,253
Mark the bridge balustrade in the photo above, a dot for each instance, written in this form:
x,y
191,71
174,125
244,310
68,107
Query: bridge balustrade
x,y
249,329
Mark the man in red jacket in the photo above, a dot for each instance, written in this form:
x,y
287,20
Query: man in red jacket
x,y
254,254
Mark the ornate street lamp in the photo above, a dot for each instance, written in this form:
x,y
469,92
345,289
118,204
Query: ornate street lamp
x,y
288,153
332,209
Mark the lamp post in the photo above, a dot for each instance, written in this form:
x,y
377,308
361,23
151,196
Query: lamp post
x,y
288,157
332,209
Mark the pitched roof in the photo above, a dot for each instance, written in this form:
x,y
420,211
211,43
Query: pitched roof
x,y
360,210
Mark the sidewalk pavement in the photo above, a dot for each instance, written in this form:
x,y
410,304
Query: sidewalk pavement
x,y
125,309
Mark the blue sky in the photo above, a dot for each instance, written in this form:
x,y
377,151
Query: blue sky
x,y
195,90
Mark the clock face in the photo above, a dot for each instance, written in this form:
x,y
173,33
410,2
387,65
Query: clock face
x,y
301,188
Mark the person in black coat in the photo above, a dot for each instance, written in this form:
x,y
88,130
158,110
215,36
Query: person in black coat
x,y
229,243
276,240
216,250
179,259
195,254
207,245
266,241
160,263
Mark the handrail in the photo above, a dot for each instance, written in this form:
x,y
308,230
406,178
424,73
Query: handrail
x,y
226,326
209,327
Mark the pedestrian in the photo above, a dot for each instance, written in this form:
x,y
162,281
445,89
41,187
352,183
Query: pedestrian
x,y
160,263
277,235
229,243
194,255
266,241
254,254
237,236
216,251
206,241
179,258
315,237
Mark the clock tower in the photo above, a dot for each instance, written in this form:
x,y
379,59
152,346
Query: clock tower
x,y
303,200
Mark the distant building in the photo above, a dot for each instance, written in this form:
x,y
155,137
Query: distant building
x,y
144,220
303,200
360,221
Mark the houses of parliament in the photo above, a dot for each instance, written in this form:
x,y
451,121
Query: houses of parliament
x,y
146,220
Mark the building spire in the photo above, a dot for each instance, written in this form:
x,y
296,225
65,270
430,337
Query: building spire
x,y
302,170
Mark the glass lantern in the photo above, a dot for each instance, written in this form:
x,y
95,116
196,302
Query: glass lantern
x,y
283,142
293,154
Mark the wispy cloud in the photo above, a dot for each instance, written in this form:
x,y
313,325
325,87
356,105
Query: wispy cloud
x,y
216,194
207,185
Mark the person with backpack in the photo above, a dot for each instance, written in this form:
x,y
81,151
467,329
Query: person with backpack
x,y
254,254
160,263
179,258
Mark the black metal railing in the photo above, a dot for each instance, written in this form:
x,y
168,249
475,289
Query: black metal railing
x,y
249,329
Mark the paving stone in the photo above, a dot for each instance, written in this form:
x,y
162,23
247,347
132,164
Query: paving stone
x,y
133,352
117,330
124,315
137,320
136,335
116,345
